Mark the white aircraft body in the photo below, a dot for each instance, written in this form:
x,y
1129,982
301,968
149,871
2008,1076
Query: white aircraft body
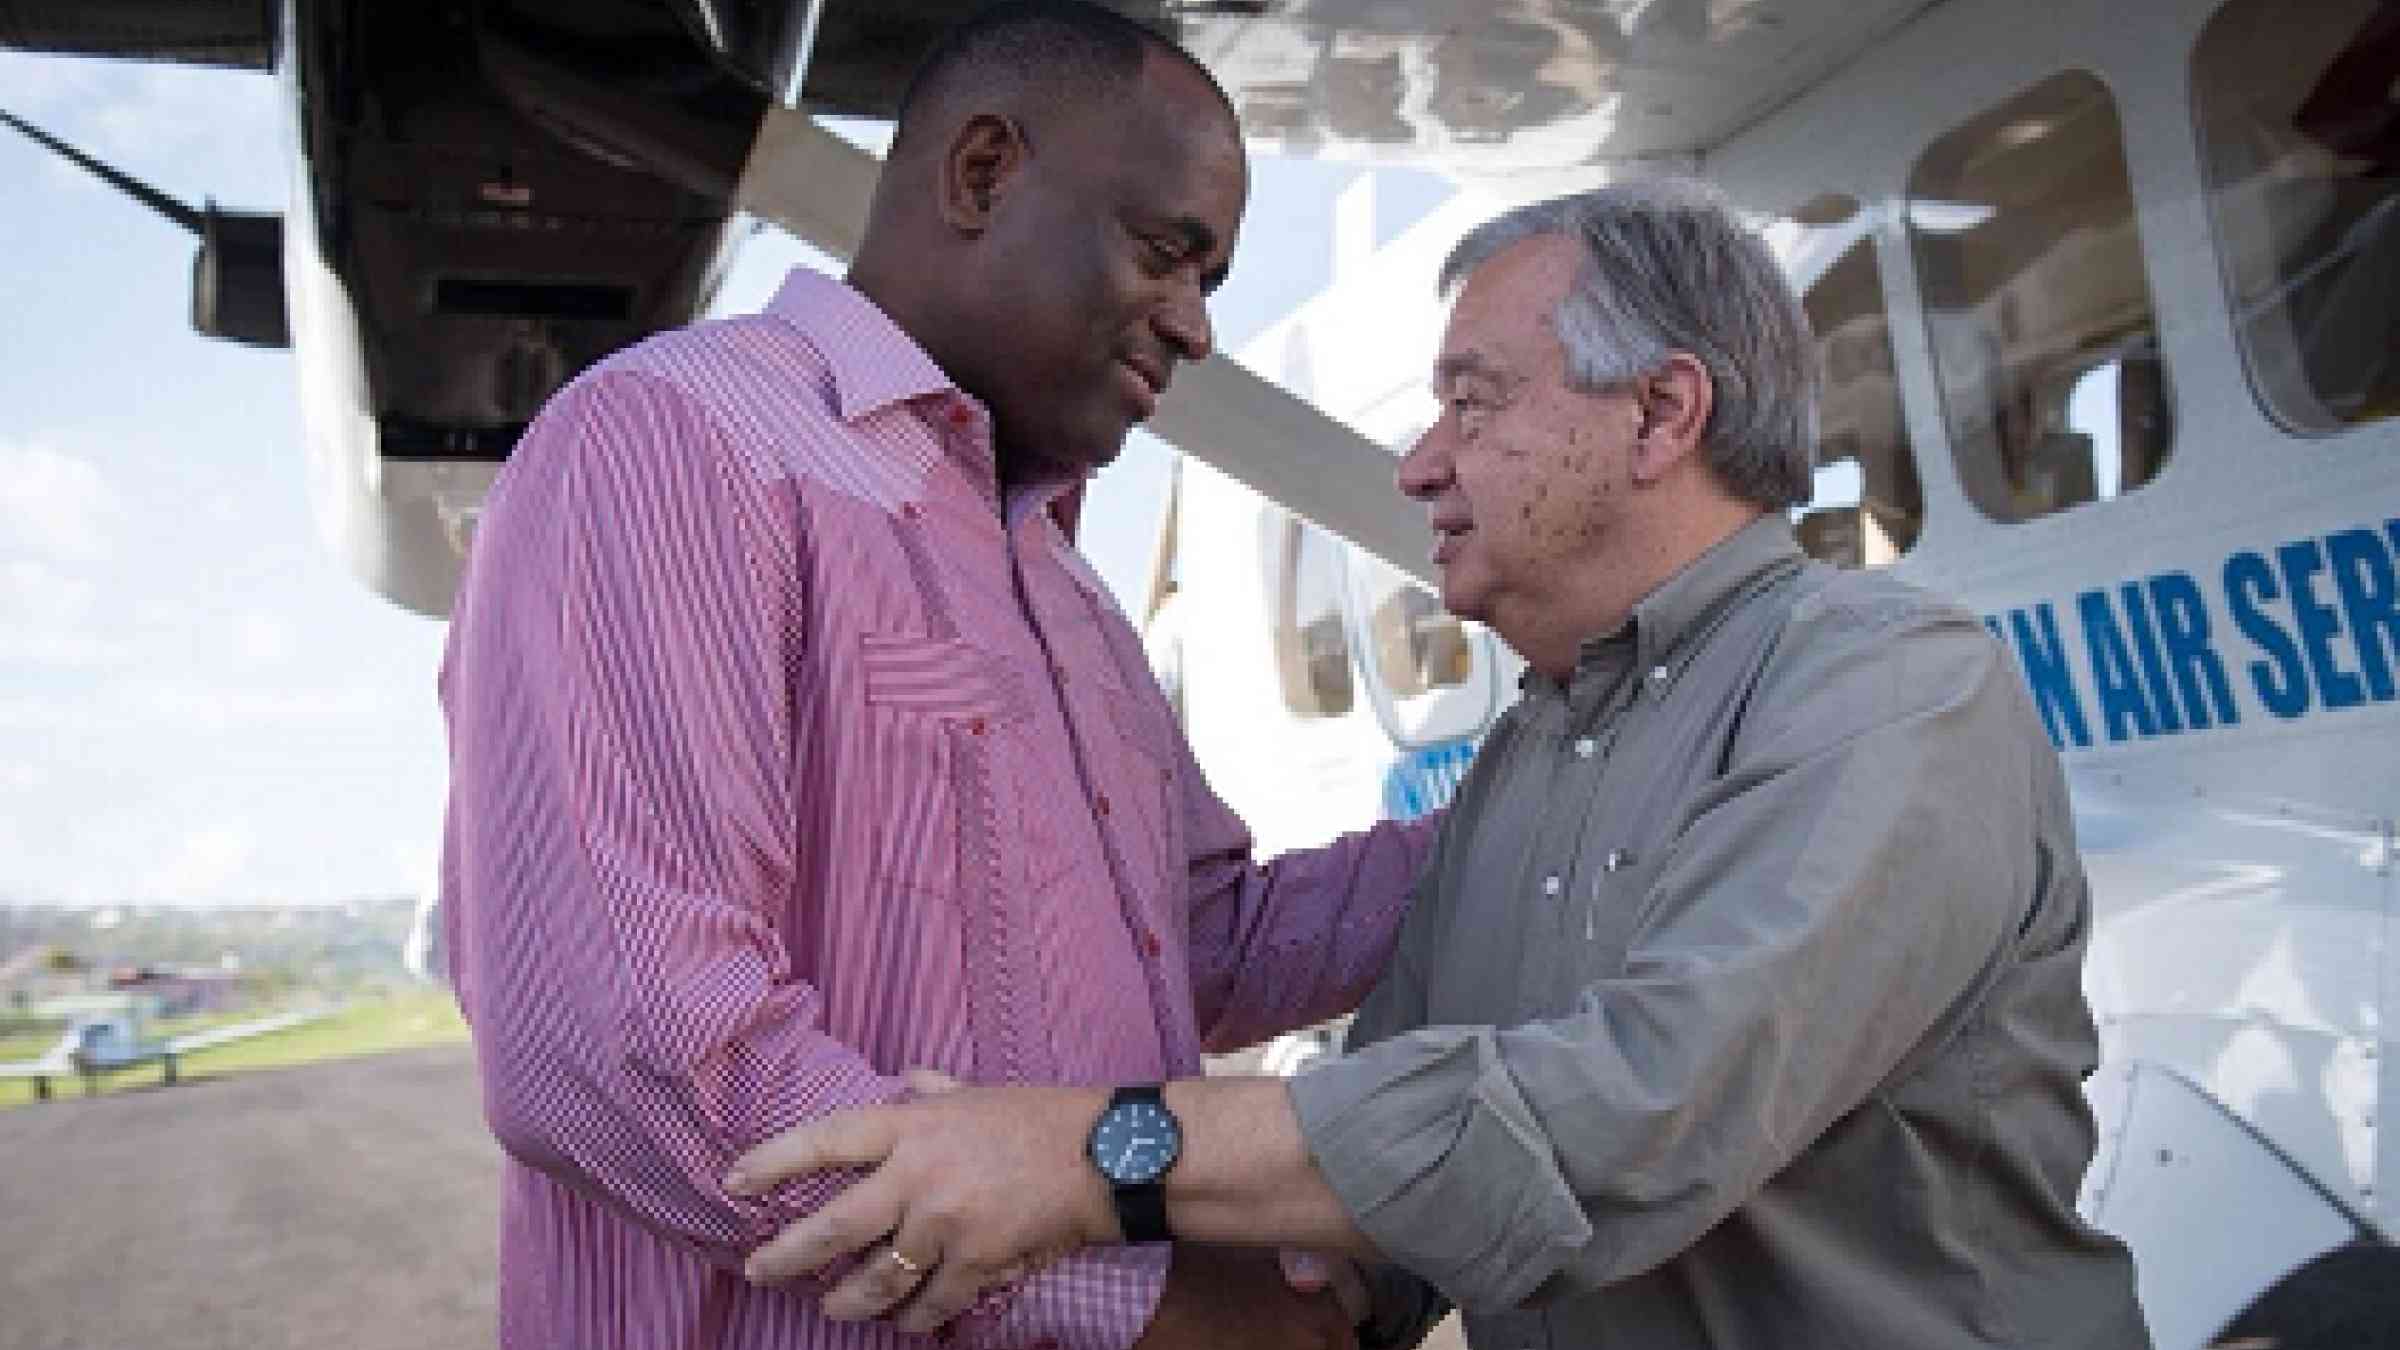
x,y
2106,311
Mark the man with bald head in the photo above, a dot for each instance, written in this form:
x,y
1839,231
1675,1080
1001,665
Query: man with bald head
x,y
796,753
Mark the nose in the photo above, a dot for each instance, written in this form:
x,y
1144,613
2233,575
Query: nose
x,y
1425,470
1183,322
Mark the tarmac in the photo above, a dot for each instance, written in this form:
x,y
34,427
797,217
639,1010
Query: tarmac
x,y
352,1203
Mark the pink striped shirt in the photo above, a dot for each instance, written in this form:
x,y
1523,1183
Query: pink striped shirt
x,y
783,757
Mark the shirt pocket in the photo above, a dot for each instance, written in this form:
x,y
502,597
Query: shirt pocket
x,y
1622,854
938,711
1616,880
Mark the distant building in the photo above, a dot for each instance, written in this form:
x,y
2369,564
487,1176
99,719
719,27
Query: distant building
x,y
38,973
182,991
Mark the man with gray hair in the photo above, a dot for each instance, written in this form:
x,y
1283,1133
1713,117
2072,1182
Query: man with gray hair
x,y
1740,1005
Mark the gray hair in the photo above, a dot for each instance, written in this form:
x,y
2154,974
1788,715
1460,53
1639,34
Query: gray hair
x,y
1668,268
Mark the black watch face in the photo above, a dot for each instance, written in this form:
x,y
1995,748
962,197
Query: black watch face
x,y
1134,1143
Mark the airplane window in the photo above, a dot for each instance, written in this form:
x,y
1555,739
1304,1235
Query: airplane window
x,y
1432,679
1312,653
2039,313
1419,646
1867,506
2299,115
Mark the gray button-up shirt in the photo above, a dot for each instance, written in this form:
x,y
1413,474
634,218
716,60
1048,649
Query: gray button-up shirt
x,y
1741,1004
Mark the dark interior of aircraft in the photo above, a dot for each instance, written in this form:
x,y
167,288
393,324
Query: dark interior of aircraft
x,y
506,190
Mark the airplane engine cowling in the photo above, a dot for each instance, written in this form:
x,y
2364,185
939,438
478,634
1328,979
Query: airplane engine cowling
x,y
239,33
237,280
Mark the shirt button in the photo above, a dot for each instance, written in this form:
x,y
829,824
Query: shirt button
x,y
1100,803
911,510
1586,747
975,727
1552,885
1149,943
1658,674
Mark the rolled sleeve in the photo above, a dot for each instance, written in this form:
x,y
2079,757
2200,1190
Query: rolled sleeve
x,y
1301,939
1101,1298
1431,1145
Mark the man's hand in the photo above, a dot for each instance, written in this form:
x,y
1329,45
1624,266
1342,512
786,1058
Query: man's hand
x,y
1222,1296
968,1189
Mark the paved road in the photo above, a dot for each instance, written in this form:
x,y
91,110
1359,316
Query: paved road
x,y
348,1204
353,1204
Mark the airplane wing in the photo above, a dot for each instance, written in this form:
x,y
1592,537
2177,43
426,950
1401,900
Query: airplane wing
x,y
242,1031
55,1062
236,33
490,199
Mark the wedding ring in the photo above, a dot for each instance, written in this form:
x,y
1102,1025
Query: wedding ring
x,y
905,1264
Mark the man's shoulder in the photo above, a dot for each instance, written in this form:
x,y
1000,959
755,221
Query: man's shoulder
x,y
1877,645
760,390
1836,601
730,367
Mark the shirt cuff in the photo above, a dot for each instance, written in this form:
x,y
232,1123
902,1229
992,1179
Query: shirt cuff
x,y
1442,1163
1101,1298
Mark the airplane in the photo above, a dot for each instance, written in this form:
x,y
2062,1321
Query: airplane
x,y
2104,295
96,1044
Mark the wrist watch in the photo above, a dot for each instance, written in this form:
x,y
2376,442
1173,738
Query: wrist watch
x,y
1133,1143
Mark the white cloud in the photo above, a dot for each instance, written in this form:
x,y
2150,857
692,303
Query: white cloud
x,y
34,592
204,706
54,505
51,618
193,133
66,649
152,706
201,865
261,640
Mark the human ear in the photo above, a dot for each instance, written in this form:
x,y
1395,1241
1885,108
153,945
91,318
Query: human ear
x,y
983,157
1672,404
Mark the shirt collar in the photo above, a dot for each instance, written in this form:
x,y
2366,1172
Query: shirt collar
x,y
875,364
1684,604
1694,597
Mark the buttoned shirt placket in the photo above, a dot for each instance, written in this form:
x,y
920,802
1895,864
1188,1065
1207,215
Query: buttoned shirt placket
x,y
1031,541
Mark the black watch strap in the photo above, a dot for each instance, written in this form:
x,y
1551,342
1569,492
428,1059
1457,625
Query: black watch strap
x,y
1142,1212
1141,1206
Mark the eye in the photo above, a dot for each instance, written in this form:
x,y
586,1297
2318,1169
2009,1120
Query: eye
x,y
1469,403
1161,254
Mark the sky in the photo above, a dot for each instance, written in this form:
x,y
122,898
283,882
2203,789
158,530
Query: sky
x,y
198,705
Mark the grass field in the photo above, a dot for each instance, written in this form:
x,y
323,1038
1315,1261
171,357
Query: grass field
x,y
30,1043
365,1026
